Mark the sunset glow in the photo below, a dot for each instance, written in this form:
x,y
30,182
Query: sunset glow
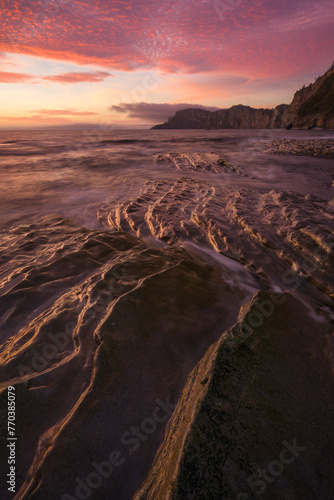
x,y
64,62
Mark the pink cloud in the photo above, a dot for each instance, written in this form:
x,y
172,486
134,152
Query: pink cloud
x,y
9,77
62,78
78,77
255,37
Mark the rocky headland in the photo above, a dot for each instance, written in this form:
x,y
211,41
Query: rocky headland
x,y
312,106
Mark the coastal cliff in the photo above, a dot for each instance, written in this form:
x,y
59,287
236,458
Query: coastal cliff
x,y
312,106
235,117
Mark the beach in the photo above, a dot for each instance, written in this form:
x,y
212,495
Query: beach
x,y
131,262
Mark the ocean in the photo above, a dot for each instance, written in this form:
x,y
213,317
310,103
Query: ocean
x,y
71,172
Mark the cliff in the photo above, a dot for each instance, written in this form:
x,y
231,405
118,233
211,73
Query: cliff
x,y
235,117
312,106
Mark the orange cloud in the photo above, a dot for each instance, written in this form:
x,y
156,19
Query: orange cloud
x,y
64,112
8,77
62,78
78,77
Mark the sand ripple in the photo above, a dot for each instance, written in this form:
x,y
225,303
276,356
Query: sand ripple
x,y
272,233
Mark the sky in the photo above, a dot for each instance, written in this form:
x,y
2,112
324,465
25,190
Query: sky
x,y
133,63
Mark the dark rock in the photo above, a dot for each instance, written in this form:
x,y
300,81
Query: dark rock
x,y
266,405
239,116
